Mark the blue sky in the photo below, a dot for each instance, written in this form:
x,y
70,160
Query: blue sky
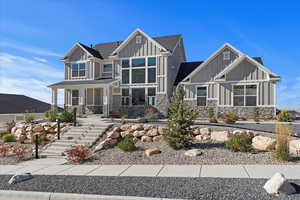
x,y
35,34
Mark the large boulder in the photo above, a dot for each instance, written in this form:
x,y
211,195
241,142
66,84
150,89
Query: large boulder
x,y
139,133
193,152
159,138
196,131
294,147
152,132
105,144
278,184
116,129
205,131
219,136
113,135
162,130
125,127
146,138
147,127
263,143
137,127
13,130
251,133
38,128
126,134
152,151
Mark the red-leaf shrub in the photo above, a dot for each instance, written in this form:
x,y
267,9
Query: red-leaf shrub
x,y
4,148
19,150
78,154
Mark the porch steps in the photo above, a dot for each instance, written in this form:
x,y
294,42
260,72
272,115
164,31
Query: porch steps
x,y
88,131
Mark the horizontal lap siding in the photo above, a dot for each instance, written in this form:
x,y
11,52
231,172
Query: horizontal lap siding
x,y
246,71
266,93
214,67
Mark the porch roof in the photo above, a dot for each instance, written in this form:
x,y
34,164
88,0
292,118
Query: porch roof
x,y
82,83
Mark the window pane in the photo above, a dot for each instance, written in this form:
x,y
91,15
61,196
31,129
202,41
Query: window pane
x,y
82,66
74,73
125,100
238,101
152,75
74,67
138,76
238,90
151,91
152,61
125,76
250,100
125,63
75,101
251,90
138,96
125,92
107,68
201,91
138,62
75,93
201,101
81,73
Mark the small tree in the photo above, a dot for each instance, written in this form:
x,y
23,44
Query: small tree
x,y
181,118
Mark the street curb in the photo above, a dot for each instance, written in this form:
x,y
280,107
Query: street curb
x,y
30,195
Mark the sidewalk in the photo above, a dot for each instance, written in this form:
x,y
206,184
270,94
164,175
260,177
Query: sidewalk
x,y
215,171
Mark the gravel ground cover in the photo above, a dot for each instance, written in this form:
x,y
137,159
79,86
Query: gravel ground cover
x,y
180,188
213,154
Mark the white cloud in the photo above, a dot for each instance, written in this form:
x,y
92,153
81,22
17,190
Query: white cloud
x,y
33,50
40,59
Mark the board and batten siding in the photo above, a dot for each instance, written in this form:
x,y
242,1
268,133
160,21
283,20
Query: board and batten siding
x,y
191,91
266,91
246,71
214,67
225,94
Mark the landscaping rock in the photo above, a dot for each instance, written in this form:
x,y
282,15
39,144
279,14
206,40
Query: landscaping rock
x,y
113,135
152,132
196,131
146,139
162,130
139,133
204,131
116,129
251,133
279,184
137,127
199,138
125,127
263,143
152,151
193,152
220,136
159,138
238,132
294,147
38,128
126,134
13,130
147,127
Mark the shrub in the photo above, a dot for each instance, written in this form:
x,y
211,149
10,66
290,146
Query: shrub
x,y
4,133
8,138
127,144
239,142
255,114
211,115
42,139
10,125
282,143
51,115
28,116
19,150
4,148
66,117
78,154
150,113
230,117
181,116
284,116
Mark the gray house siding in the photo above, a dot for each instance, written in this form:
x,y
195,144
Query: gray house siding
x,y
246,71
266,93
225,94
78,55
214,67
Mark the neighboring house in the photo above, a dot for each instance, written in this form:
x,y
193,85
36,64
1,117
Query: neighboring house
x,y
127,76
14,104
231,81
122,76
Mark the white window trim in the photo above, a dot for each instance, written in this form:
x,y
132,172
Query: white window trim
x,y
107,74
146,95
199,86
79,77
244,84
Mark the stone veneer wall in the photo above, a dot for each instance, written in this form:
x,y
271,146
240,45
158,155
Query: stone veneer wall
x,y
162,104
203,110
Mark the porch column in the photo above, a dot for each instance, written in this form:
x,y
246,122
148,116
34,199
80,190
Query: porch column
x,y
106,99
54,98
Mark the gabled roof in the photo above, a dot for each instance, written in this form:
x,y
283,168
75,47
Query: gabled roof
x,y
185,69
92,51
241,59
14,103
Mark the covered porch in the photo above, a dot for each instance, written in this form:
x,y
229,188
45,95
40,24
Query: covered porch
x,y
88,97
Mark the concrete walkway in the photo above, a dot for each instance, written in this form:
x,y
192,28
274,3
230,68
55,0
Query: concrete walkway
x,y
217,171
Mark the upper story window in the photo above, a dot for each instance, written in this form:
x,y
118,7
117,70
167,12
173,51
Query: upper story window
x,y
151,61
138,39
226,55
244,95
201,96
125,63
78,70
138,62
107,70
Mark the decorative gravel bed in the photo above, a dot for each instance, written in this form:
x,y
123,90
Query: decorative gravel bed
x,y
213,153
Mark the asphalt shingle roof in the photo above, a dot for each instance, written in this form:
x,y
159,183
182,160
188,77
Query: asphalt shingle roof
x,y
92,51
13,103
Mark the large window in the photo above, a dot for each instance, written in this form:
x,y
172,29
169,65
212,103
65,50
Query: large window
x,y
125,97
78,69
107,70
244,95
125,76
152,75
125,63
151,96
152,61
201,96
138,96
138,62
138,76
75,97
